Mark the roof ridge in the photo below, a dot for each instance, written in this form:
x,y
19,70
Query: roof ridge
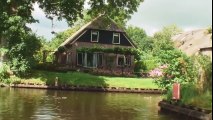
x,y
78,31
95,24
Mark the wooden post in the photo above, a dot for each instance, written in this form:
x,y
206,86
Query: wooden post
x,y
176,91
56,82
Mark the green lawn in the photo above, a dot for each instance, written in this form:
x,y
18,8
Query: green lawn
x,y
83,79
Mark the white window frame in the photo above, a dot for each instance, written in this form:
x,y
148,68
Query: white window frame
x,y
119,36
69,58
102,57
95,31
130,58
82,54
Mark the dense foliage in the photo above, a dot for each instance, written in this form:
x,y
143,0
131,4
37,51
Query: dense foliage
x,y
21,45
4,72
162,39
204,64
193,73
180,69
140,38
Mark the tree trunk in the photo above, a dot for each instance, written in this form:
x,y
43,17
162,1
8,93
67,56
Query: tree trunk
x,y
2,53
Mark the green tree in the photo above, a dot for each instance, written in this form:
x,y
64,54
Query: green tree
x,y
61,37
22,45
140,38
162,39
180,68
70,10
118,10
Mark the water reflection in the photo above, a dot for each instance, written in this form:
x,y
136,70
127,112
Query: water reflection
x,y
29,104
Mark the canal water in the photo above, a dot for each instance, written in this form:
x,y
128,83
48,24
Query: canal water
x,y
32,104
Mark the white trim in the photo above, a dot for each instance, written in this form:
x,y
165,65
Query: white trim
x,y
69,58
95,31
130,58
123,58
119,35
86,60
102,58
82,58
129,41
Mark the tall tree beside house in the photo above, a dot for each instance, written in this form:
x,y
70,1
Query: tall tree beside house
x,y
176,65
140,38
16,14
22,46
162,39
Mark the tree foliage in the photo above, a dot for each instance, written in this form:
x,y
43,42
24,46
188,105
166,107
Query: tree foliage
x,y
120,10
204,64
22,45
140,38
163,39
61,37
180,69
70,10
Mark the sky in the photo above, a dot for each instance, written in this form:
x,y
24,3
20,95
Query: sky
x,y
152,16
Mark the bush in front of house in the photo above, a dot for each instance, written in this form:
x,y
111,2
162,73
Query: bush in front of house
x,y
157,72
46,66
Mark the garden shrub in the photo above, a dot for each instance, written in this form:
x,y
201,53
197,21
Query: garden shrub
x,y
20,67
4,74
150,64
158,72
187,92
205,72
180,69
46,66
139,67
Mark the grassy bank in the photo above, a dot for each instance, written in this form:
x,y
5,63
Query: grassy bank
x,y
84,79
190,95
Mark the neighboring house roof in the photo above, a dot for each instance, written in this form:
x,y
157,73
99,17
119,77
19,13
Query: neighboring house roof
x,y
192,41
99,23
206,48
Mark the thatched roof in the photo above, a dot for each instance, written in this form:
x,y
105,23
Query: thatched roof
x,y
101,23
104,23
192,41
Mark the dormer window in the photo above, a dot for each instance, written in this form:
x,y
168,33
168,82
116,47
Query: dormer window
x,y
116,38
94,36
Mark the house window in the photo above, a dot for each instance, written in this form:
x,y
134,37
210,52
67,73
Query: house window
x,y
128,61
100,59
121,60
69,58
110,61
90,60
80,59
116,38
94,36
